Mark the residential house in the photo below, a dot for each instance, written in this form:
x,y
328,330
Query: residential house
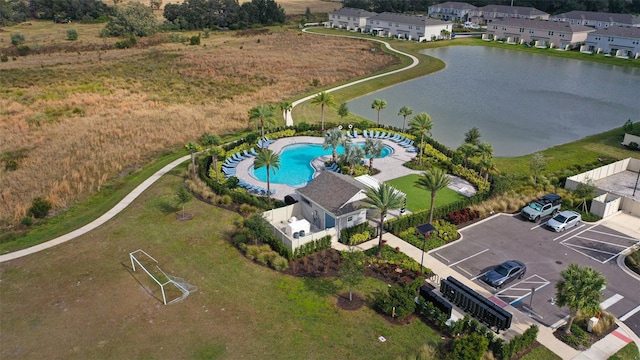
x,y
409,27
543,32
491,12
615,40
598,20
452,11
350,19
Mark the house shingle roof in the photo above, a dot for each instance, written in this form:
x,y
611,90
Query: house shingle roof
x,y
353,12
542,25
600,16
619,31
528,11
408,19
456,5
332,191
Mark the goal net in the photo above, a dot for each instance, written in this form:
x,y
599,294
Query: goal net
x,y
173,289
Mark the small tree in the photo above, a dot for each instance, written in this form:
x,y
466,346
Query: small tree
x,y
286,108
628,126
537,164
134,18
383,199
352,270
469,347
585,191
472,136
40,208
17,39
323,99
343,111
421,126
182,197
72,35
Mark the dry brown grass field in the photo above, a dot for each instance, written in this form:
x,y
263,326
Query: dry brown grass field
x,y
76,119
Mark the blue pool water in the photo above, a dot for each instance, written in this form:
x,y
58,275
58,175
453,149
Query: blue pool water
x,y
295,164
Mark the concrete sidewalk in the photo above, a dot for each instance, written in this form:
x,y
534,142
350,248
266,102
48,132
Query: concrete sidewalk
x,y
601,350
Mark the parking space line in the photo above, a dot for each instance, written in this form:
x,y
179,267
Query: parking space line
x,y
610,301
572,230
599,241
589,256
542,282
461,269
630,313
614,235
618,254
542,223
444,258
590,249
479,276
469,257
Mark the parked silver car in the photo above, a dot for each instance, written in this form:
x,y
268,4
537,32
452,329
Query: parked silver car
x,y
564,220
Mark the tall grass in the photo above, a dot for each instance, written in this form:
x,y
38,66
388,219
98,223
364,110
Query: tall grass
x,y
88,118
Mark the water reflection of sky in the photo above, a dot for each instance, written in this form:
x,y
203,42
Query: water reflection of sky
x,y
521,102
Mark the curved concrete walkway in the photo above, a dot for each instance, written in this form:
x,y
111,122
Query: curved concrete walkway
x,y
142,187
414,63
99,221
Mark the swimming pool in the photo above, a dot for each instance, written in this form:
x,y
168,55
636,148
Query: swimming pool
x,y
295,164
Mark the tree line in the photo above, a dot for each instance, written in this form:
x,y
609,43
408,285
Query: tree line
x,y
190,15
551,7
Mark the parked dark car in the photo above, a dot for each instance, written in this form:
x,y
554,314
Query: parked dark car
x,y
504,273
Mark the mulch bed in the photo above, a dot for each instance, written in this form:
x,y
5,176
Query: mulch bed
x,y
343,302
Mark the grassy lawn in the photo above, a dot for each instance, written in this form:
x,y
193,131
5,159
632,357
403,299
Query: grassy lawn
x,y
419,199
584,151
629,352
540,353
80,299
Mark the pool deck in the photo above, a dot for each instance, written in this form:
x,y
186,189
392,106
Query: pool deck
x,y
390,167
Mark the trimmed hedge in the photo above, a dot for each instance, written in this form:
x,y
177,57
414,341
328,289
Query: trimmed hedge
x,y
312,247
347,233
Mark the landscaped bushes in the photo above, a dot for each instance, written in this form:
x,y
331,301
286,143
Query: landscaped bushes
x,y
398,300
444,233
365,230
257,229
462,216
519,343
312,247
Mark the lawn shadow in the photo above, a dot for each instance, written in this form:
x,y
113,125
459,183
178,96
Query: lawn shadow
x,y
325,287
168,207
134,275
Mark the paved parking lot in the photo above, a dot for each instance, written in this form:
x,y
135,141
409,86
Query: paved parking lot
x,y
545,253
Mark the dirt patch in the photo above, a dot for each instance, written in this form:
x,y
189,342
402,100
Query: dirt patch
x,y
184,217
343,302
325,263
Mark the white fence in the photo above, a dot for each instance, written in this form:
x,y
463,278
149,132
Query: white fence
x,y
279,218
605,203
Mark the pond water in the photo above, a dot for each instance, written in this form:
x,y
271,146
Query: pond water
x,y
520,102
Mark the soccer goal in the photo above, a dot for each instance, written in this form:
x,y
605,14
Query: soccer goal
x,y
174,288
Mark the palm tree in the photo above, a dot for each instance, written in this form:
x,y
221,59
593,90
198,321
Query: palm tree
x,y
580,289
193,148
379,104
262,114
421,125
372,149
215,152
285,108
270,160
467,151
352,156
404,112
383,199
486,150
334,138
487,165
323,99
433,180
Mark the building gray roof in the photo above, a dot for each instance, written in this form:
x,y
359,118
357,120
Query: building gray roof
x,y
332,191
542,25
455,5
600,16
518,10
347,11
408,19
619,31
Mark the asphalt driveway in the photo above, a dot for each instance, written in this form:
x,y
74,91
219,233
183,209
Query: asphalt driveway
x,y
545,253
